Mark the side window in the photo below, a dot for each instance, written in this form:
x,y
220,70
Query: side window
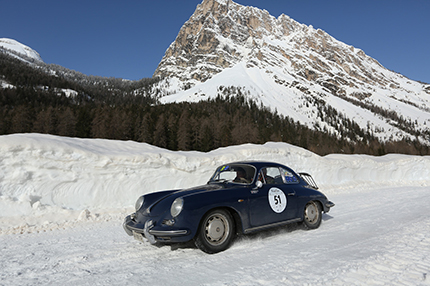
x,y
271,175
289,177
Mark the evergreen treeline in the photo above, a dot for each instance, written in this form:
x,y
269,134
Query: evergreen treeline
x,y
127,110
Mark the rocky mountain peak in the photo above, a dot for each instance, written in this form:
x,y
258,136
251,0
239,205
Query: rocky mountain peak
x,y
218,35
222,33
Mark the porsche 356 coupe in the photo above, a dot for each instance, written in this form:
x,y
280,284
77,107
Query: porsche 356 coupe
x,y
239,198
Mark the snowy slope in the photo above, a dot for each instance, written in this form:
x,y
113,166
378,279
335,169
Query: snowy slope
x,y
259,85
19,50
62,202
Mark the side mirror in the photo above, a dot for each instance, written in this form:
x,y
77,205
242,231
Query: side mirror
x,y
258,184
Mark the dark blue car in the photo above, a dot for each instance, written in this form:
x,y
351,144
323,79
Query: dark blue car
x,y
240,198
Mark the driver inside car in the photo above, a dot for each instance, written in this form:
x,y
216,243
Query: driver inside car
x,y
240,176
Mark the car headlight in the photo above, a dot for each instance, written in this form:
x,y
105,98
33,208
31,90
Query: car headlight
x,y
176,207
139,202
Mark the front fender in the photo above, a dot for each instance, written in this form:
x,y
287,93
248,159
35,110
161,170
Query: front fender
x,y
199,204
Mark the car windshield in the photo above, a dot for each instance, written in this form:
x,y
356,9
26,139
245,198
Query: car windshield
x,y
234,173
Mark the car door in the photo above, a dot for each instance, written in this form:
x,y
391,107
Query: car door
x,y
275,201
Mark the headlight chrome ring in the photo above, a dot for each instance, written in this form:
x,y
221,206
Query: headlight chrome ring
x,y
139,202
176,207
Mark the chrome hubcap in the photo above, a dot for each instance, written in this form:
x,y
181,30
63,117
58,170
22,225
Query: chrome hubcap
x,y
311,213
217,229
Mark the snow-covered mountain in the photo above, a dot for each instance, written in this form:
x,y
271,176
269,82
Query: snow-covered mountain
x,y
18,50
302,72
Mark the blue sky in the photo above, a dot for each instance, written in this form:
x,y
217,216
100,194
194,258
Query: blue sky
x,y
127,39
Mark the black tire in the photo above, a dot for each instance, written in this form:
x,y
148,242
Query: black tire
x,y
312,215
216,231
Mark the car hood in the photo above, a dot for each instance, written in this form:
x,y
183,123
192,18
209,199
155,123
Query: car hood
x,y
163,203
198,189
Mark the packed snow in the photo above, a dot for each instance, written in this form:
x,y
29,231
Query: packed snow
x,y
62,202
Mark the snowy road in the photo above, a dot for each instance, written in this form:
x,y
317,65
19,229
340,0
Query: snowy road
x,y
371,237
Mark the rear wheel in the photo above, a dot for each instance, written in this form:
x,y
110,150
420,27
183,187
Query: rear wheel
x,y
216,231
312,215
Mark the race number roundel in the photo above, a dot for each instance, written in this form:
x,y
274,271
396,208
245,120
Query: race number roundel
x,y
277,200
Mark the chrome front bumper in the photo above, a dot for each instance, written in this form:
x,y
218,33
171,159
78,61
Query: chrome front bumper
x,y
149,233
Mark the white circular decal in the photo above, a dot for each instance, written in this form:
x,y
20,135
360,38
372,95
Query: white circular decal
x,y
277,200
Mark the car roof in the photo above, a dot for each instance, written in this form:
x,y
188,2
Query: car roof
x,y
258,164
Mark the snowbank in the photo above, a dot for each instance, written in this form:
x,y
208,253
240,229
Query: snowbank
x,y
45,178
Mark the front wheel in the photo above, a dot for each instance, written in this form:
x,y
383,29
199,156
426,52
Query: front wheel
x,y
216,232
312,215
